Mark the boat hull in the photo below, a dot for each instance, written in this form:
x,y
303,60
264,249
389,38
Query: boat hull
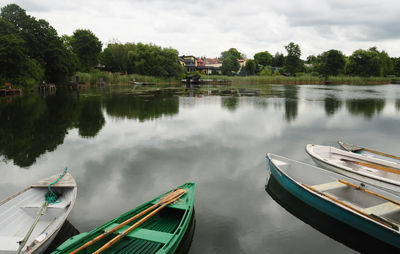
x,y
337,212
361,175
162,233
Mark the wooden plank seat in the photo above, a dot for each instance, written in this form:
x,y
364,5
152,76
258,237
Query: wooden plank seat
x,y
329,186
382,209
145,234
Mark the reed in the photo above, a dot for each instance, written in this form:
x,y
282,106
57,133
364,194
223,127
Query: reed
x,y
94,77
306,79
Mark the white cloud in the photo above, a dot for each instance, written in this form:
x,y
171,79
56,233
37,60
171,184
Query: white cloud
x,y
205,28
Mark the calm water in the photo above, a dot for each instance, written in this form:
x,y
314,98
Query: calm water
x,y
124,147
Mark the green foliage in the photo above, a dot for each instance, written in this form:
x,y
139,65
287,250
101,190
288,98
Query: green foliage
x,y
148,59
43,49
369,63
266,71
230,65
250,67
293,62
330,63
142,59
87,48
396,66
232,52
278,60
263,58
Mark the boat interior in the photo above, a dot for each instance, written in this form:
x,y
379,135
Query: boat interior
x,y
367,166
353,194
18,214
149,237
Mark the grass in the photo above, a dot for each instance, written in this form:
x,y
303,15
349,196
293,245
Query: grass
x,y
92,78
307,79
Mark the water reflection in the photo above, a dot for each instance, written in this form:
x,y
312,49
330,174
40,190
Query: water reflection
x,y
32,126
291,102
146,106
123,146
366,107
332,105
327,225
90,119
230,102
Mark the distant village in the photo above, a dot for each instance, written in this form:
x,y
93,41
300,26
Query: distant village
x,y
209,66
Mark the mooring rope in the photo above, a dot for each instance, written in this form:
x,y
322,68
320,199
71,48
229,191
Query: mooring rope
x,y
50,196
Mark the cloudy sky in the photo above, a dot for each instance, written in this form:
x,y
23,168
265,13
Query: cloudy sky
x,y
208,27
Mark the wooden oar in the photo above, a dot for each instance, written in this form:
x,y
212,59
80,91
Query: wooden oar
x,y
372,217
35,222
383,154
369,192
137,224
166,198
373,166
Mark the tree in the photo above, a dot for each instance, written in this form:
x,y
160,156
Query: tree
x,y
263,58
278,60
42,44
250,67
87,48
369,63
149,59
16,65
331,62
230,65
231,52
292,61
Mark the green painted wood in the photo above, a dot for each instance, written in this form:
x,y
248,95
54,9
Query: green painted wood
x,y
160,234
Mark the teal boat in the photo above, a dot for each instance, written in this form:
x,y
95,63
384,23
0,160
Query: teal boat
x,y
157,226
359,205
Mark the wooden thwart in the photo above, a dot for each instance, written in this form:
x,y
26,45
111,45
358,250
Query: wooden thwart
x,y
164,201
372,217
378,167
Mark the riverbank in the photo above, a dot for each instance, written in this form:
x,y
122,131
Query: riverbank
x,y
94,78
308,79
122,79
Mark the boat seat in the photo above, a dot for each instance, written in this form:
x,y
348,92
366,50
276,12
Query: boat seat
x,y
9,244
329,186
382,209
145,234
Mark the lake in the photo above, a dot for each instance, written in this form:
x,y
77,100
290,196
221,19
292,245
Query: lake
x,y
125,146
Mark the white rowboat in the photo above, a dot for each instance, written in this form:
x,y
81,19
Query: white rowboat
x,y
375,171
18,212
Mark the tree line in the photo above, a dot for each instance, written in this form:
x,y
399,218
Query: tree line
x,y
31,52
363,63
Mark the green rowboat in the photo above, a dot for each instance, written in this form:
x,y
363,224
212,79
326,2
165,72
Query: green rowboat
x,y
159,227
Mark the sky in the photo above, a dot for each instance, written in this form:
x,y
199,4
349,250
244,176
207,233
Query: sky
x,y
208,27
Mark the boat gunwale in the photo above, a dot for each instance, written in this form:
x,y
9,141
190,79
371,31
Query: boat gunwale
x,y
322,196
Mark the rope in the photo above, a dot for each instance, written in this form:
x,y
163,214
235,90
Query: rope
x,y
50,196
